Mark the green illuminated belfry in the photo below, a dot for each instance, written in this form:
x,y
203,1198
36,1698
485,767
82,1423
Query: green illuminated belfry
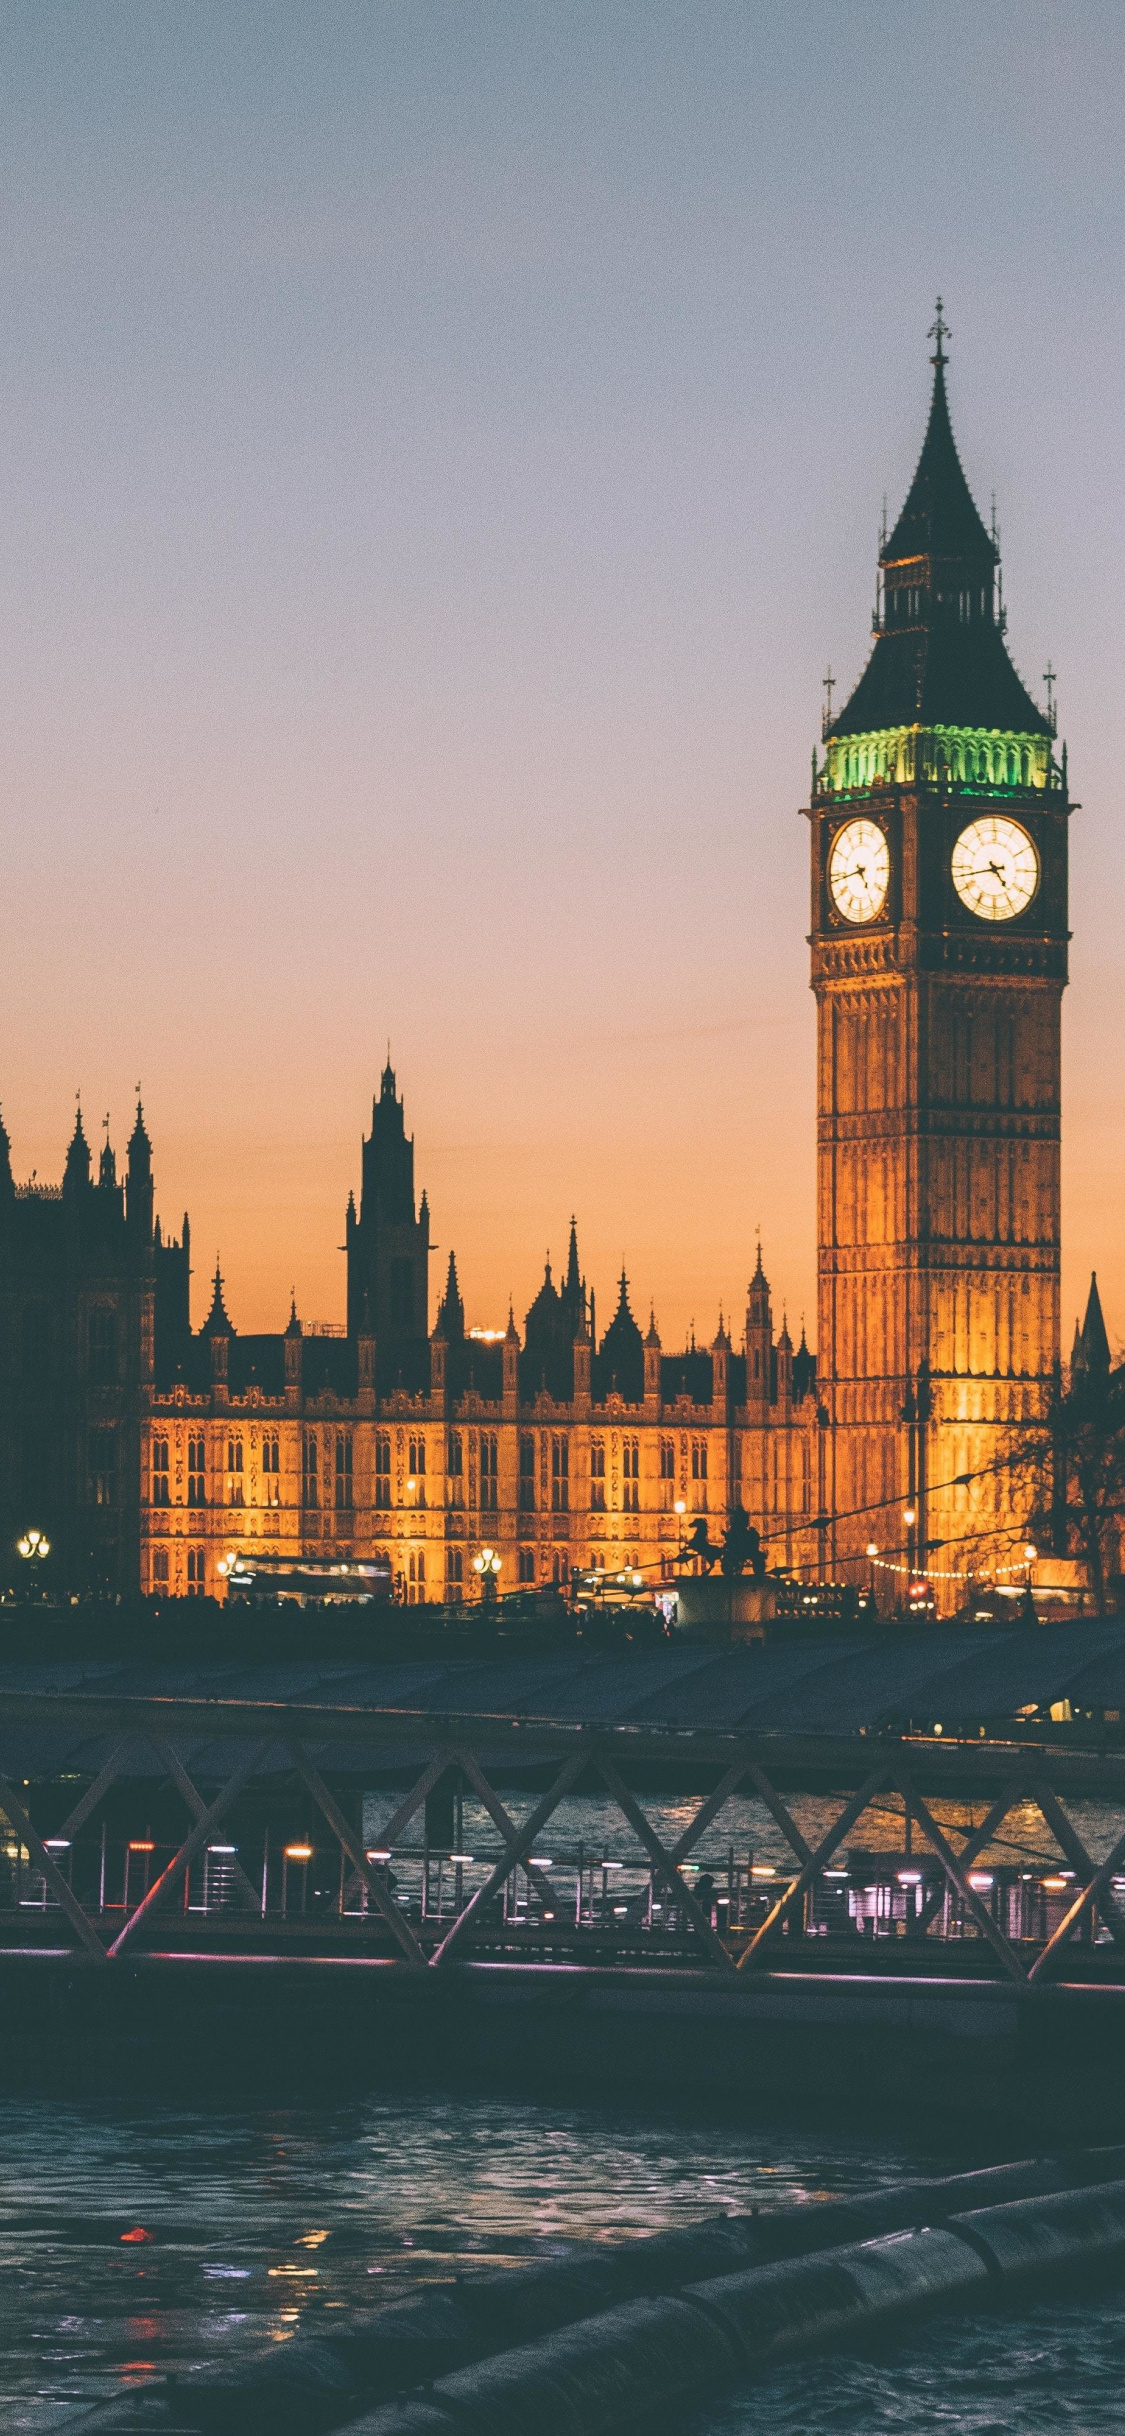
x,y
939,697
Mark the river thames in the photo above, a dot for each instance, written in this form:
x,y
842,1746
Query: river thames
x,y
247,2223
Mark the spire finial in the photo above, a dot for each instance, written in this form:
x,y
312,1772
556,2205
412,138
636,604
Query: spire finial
x,y
1050,676
828,681
938,331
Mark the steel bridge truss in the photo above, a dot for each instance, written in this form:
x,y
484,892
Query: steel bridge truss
x,y
584,1755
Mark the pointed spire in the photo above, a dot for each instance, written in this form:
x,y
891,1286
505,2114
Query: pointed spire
x,y
107,1165
216,1322
138,1195
294,1327
77,1170
139,1144
451,1310
387,1086
939,517
652,1340
511,1332
939,658
1095,1342
573,1278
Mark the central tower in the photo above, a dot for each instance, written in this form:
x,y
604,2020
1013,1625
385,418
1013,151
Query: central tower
x,y
939,952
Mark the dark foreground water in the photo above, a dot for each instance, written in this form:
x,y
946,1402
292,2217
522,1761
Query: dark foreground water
x,y
264,2220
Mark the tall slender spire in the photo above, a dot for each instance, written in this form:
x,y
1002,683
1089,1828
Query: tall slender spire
x,y
451,1313
939,517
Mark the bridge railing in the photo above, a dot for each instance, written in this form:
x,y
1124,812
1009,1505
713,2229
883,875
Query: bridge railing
x,y
108,1890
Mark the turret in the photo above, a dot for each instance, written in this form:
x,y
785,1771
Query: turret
x,y
76,1174
293,1348
138,1192
720,1367
620,1367
759,1342
784,1371
510,1360
218,1332
652,1361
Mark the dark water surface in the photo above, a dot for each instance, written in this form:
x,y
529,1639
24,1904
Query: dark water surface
x,y
267,2219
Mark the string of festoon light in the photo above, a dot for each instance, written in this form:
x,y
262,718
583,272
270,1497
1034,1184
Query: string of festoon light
x,y
953,1573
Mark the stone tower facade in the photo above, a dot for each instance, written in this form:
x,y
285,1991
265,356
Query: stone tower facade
x,y
939,957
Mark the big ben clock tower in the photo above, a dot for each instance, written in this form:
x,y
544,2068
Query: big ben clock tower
x,y
939,953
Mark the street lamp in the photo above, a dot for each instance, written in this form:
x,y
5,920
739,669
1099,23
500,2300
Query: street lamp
x,y
910,1517
34,1544
487,1565
872,1553
679,1510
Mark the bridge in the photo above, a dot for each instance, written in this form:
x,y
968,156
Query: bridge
x,y
946,1817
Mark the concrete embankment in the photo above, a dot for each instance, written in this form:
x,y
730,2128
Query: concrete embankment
x,y
315,2383
646,2359
883,2048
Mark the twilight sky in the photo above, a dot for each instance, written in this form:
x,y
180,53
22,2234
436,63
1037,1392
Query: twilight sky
x,y
442,445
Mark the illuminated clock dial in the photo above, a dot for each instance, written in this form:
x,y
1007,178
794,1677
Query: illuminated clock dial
x,y
859,868
995,868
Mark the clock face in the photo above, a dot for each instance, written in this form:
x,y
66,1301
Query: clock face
x,y
995,868
859,868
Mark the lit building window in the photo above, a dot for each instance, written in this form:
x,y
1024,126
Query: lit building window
x,y
236,1492
526,1564
631,1472
196,1573
560,1475
160,1568
416,1578
197,1472
455,1469
103,1467
161,1487
344,1499
527,1473
454,1568
597,1475
310,1470
271,1466
418,1470
382,1472
488,1465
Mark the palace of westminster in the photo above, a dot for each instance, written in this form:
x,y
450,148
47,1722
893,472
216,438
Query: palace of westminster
x,y
150,1452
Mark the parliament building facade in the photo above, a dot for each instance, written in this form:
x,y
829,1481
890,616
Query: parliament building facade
x,y
152,1452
